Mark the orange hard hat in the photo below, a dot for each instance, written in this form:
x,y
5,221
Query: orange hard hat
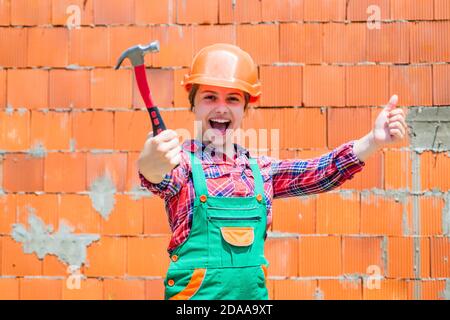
x,y
224,65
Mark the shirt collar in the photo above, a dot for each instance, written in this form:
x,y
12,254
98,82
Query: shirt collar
x,y
208,155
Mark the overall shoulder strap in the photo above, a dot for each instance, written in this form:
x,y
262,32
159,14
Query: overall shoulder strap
x,y
198,176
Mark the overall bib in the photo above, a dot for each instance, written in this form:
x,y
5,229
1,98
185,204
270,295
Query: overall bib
x,y
223,256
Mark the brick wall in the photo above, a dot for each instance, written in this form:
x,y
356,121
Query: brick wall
x,y
67,118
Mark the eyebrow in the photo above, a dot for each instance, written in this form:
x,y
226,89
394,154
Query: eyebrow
x,y
214,92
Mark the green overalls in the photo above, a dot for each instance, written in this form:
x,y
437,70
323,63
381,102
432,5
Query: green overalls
x,y
223,256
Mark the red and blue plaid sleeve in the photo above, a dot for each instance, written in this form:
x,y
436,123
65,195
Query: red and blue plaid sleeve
x,y
294,177
172,182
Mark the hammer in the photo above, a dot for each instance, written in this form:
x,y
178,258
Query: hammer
x,y
136,56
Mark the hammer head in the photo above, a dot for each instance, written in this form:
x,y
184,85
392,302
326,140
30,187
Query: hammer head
x,y
136,53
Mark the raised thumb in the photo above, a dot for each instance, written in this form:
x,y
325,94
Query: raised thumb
x,y
392,104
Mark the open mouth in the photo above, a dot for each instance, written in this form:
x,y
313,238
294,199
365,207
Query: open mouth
x,y
220,124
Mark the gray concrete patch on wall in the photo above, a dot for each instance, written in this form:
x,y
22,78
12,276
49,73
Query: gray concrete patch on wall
x,y
102,193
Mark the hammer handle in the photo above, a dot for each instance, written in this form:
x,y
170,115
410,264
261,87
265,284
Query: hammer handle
x,y
157,122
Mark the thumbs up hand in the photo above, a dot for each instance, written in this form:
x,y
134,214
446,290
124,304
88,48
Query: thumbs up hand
x,y
390,125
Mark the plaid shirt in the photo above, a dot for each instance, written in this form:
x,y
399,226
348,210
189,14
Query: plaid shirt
x,y
234,178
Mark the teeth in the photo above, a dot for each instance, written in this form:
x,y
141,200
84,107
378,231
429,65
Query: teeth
x,y
220,120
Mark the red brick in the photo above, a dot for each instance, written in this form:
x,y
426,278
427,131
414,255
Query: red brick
x,y
147,256
22,172
9,289
324,10
69,89
360,253
161,89
40,289
53,267
197,11
430,41
338,213
133,182
340,289
320,256
29,13
15,262
154,289
131,129
107,257
439,166
294,215
51,129
441,9
110,12
283,10
308,47
281,86
151,12
413,84
126,218
282,254
440,257
295,289
390,43
358,10
205,35
13,44
398,173
324,86
85,123
122,38
260,41
155,216
340,127
241,11
176,47
121,289
344,42
5,13
64,14
431,209
82,44
33,82
76,211
113,165
48,47
90,289
7,212
367,85
14,130
412,10
390,289
441,79
111,88
65,172
2,89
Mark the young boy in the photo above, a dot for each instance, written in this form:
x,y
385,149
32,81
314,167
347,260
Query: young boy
x,y
218,198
